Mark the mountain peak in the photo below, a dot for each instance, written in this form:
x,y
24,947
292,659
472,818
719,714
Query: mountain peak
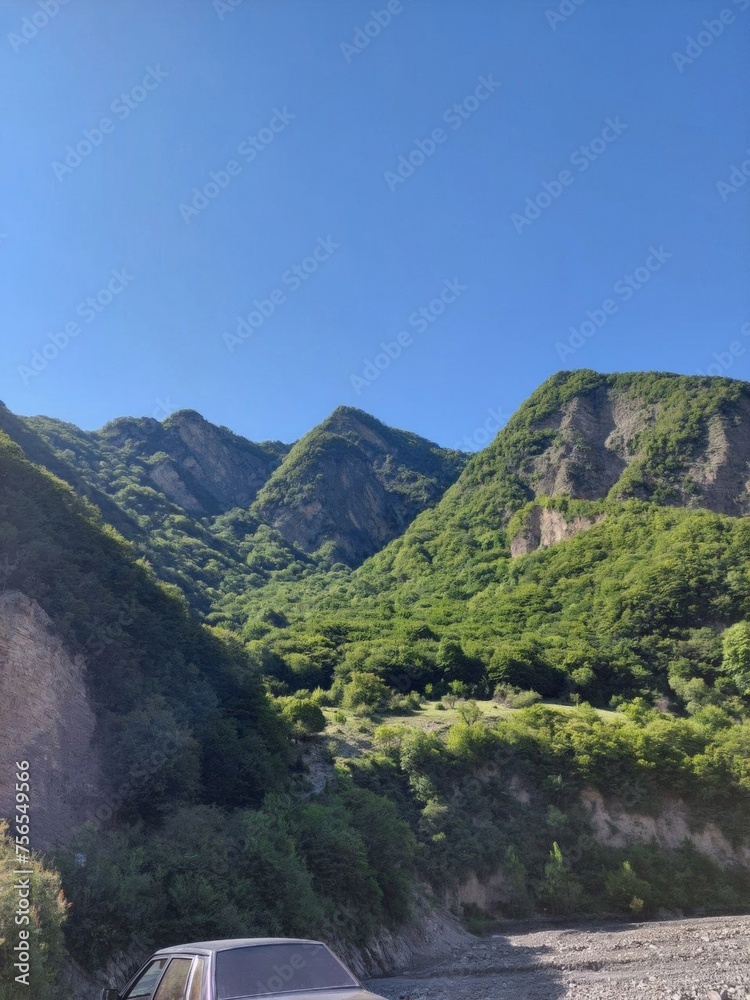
x,y
354,483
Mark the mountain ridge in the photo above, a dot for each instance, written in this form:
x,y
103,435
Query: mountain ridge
x,y
566,623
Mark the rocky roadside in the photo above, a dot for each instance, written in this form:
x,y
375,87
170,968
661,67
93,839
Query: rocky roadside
x,y
696,959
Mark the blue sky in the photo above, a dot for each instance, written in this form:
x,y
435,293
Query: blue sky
x,y
559,165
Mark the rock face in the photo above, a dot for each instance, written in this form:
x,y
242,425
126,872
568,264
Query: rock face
x,y
616,826
355,484
46,719
201,467
591,445
546,526
679,440
351,483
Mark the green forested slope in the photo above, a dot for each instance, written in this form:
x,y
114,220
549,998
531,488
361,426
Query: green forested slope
x,y
183,491
634,604
596,554
205,834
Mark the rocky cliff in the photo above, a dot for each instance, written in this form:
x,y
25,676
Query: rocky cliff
x,y
354,484
674,439
201,467
349,486
46,719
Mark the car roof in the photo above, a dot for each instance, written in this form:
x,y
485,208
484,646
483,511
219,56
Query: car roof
x,y
204,947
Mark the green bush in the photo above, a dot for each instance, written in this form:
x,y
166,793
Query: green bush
x,y
365,693
304,716
39,927
561,890
627,892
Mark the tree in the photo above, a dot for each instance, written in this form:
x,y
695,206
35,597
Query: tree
x,y
305,717
519,903
365,693
561,890
522,665
469,712
626,890
736,655
389,739
454,664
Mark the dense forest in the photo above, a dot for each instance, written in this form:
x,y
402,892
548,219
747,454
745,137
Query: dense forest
x,y
567,611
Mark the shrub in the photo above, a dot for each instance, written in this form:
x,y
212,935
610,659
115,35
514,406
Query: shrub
x,y
45,918
304,716
626,891
561,890
508,695
365,693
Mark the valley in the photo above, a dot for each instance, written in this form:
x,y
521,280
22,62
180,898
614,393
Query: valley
x,y
319,687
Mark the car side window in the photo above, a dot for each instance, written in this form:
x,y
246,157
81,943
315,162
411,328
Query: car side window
x,y
196,982
146,982
174,981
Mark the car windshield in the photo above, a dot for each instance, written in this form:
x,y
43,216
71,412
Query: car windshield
x,y
278,968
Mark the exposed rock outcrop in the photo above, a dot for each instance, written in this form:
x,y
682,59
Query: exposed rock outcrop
x,y
204,468
616,826
546,526
355,484
599,433
45,719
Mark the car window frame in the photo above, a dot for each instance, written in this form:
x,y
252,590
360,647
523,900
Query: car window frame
x,y
133,982
169,959
205,959
181,957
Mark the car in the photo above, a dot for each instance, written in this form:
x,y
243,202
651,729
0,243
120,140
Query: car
x,y
286,968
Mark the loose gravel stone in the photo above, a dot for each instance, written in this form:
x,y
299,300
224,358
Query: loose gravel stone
x,y
701,959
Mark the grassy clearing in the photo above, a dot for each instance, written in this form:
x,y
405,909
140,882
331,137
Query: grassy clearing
x,y
354,736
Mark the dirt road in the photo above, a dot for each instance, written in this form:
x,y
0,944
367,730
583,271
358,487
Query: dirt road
x,y
707,959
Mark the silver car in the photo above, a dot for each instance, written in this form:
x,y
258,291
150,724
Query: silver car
x,y
283,968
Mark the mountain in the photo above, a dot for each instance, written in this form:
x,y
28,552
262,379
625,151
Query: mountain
x,y
200,467
125,680
153,751
596,548
353,484
587,438
216,514
533,696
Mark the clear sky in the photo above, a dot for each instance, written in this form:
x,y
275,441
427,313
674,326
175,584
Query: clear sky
x,y
117,113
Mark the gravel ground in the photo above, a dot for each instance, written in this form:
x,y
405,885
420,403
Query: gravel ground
x,y
707,959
